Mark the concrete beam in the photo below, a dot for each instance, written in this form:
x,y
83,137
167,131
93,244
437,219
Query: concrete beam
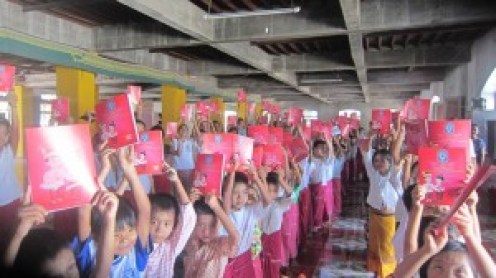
x,y
249,82
373,88
183,16
433,56
405,77
209,68
140,36
351,13
153,60
331,90
377,15
310,63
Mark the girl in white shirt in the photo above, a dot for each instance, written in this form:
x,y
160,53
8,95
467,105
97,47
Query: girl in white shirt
x,y
184,149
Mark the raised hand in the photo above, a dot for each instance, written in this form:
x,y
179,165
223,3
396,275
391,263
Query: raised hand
x,y
212,201
435,241
418,195
463,219
106,203
195,194
171,173
29,215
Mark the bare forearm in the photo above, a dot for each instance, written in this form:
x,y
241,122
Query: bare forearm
x,y
264,190
182,195
477,232
12,250
227,223
105,254
411,235
84,222
483,261
143,206
228,193
412,264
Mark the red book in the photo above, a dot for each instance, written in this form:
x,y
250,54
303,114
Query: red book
x,y
260,133
317,127
232,120
241,96
298,149
266,105
7,75
416,135
252,108
287,139
202,110
134,93
442,171
294,115
345,130
275,109
187,112
212,106
116,120
264,120
258,155
276,135
381,120
354,116
394,116
61,166
218,143
450,134
209,172
149,153
417,109
171,130
354,123
307,133
60,109
273,156
243,149
363,143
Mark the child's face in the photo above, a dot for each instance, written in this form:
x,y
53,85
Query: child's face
x,y
183,131
205,228
124,240
381,164
273,190
450,264
161,225
62,265
319,151
140,127
239,195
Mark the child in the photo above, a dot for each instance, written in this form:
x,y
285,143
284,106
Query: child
x,y
184,149
337,170
170,228
131,231
441,257
384,193
244,218
11,191
272,251
207,252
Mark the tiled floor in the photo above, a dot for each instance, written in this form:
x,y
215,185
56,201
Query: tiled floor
x,y
341,252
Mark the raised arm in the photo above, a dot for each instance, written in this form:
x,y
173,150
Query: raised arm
x,y
232,232
398,139
142,202
281,175
262,185
415,216
228,191
407,169
181,193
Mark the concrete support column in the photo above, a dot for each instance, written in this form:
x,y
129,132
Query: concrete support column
x,y
173,99
79,87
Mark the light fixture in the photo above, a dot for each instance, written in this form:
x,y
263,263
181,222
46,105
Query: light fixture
x,y
317,81
436,99
293,10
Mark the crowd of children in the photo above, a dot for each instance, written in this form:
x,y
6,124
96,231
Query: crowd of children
x,y
137,228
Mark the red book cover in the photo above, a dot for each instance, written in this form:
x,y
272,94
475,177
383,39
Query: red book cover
x,y
275,109
232,120
307,133
273,156
416,135
317,127
7,75
381,120
149,153
345,130
252,107
450,134
260,133
287,139
298,149
417,109
266,105
218,143
294,115
171,130
363,143
60,109
354,123
61,166
202,110
264,120
209,172
115,118
258,155
442,171
395,115
276,135
243,149
187,112
134,93
241,96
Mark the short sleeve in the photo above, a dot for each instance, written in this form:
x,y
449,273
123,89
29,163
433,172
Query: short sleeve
x,y
472,149
83,254
142,254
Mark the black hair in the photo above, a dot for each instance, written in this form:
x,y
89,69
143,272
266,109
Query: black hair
x,y
232,129
408,198
272,178
38,247
140,122
126,216
240,120
201,208
451,246
240,177
317,143
385,153
162,201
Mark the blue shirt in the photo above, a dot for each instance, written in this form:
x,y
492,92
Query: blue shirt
x,y
131,265
479,148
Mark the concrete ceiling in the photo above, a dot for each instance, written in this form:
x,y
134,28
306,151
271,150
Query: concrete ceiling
x,y
331,51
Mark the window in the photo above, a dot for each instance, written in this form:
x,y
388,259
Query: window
x,y
309,115
228,113
46,108
489,91
348,112
4,110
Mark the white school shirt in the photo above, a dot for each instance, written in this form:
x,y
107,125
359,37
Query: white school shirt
x,y
186,158
338,167
272,221
9,186
245,220
318,171
399,236
384,191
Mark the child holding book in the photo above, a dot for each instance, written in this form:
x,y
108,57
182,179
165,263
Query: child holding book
x,y
172,224
384,172
128,248
244,217
184,148
207,253
337,170
11,191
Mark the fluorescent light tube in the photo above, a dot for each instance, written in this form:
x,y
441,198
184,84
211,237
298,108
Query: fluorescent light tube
x,y
253,13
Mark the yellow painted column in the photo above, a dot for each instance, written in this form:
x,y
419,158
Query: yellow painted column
x,y
219,116
173,99
242,110
79,87
27,107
